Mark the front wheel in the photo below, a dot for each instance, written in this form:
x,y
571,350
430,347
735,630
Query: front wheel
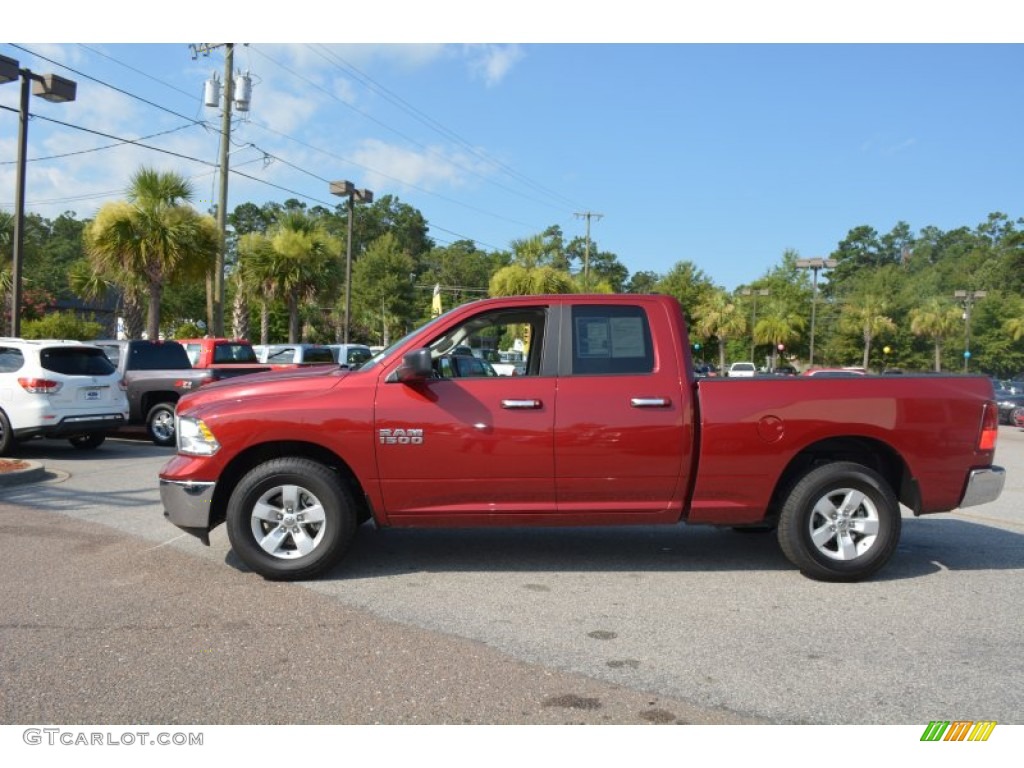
x,y
841,522
160,424
290,519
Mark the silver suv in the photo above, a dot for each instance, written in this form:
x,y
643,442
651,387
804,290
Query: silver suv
x,y
58,389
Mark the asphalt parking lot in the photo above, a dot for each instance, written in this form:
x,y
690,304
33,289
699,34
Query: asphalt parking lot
x,y
115,616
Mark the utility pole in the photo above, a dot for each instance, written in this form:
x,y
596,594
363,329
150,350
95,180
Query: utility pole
x,y
588,215
215,300
815,265
968,298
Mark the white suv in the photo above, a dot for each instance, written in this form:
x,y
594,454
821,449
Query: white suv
x,y
58,389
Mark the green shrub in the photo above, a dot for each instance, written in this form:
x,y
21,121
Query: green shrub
x,y
61,325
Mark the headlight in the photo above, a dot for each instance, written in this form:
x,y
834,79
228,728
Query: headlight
x,y
195,438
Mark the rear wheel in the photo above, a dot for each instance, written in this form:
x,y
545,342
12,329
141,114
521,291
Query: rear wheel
x,y
6,435
86,442
160,424
290,519
841,522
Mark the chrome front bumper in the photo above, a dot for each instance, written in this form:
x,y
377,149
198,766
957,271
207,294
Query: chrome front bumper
x,y
983,486
187,505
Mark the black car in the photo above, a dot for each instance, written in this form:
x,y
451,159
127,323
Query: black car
x,y
1007,402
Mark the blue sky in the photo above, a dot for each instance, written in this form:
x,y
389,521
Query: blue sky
x,y
724,149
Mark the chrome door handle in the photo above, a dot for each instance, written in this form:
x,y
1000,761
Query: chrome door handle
x,y
650,402
521,405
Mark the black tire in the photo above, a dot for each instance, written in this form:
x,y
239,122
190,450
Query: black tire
x,y
160,424
266,506
840,522
89,441
6,435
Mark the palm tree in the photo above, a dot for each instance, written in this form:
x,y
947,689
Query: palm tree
x,y
719,316
154,237
865,314
1014,326
256,277
307,260
87,282
6,257
938,320
779,325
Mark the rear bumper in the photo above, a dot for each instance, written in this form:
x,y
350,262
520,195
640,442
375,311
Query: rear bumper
x,y
187,504
983,486
70,426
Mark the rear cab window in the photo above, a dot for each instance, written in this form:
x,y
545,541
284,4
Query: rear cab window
x,y
611,339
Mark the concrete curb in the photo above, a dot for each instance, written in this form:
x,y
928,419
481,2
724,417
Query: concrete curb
x,y
33,473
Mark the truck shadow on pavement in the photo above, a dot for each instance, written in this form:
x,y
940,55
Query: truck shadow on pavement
x,y
927,547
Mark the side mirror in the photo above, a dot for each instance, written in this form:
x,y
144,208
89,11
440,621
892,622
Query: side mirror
x,y
416,366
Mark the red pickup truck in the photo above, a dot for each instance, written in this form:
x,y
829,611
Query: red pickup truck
x,y
607,426
230,357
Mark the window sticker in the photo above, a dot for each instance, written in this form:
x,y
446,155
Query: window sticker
x,y
627,337
592,337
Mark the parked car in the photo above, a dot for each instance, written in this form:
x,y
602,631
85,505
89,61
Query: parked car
x,y
742,370
156,374
58,389
463,366
785,370
230,357
835,373
704,371
350,356
1017,417
280,356
607,428
1007,402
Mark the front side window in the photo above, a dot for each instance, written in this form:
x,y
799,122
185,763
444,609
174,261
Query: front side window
x,y
475,347
611,340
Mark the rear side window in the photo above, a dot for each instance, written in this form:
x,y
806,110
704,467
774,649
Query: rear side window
x,y
167,356
11,359
76,361
611,340
318,355
280,356
232,353
358,356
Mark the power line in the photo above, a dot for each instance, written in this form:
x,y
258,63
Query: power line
x,y
112,87
395,131
266,155
440,128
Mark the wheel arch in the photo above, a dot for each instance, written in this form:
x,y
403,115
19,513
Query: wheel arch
x,y
869,452
258,454
150,399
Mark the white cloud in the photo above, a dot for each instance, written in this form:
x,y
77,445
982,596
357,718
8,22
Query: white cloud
x,y
493,62
431,169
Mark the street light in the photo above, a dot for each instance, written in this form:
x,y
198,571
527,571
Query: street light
x,y
968,298
52,88
815,265
348,189
753,320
